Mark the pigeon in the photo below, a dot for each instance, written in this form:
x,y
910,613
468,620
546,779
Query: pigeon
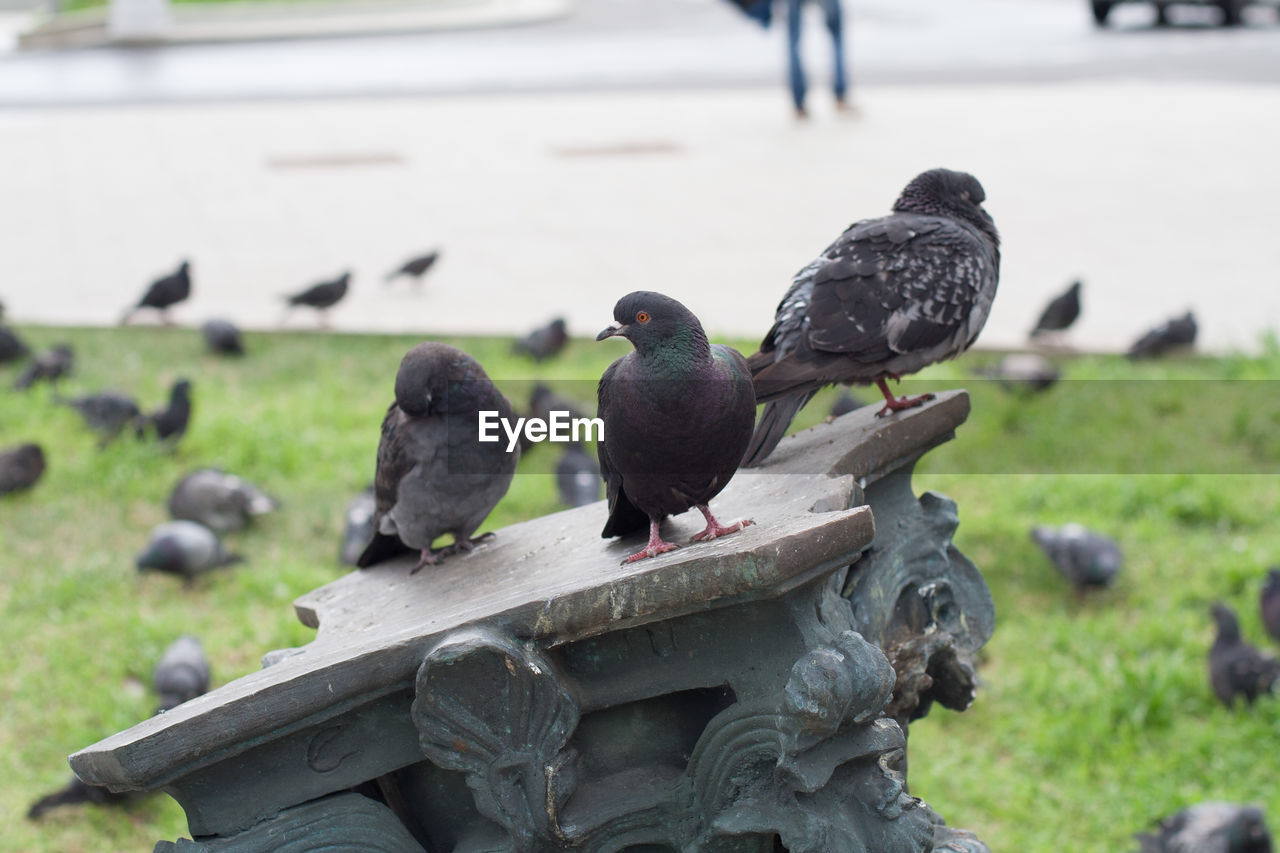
x,y
107,413
843,405
1210,828
434,476
52,364
1022,372
887,298
170,421
11,346
1061,312
20,467
220,501
222,337
321,297
543,342
164,293
1269,601
677,414
542,402
74,793
1083,557
416,268
184,548
358,526
182,673
577,477
1235,667
1170,335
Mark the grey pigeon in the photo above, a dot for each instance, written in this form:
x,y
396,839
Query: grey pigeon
x,y
1235,667
222,337
415,268
843,405
107,413
74,793
11,346
1174,334
677,414
543,342
1269,603
218,500
887,298
184,548
50,365
20,467
164,293
181,674
1084,557
577,477
1061,312
321,297
1210,828
357,526
434,476
170,421
1022,372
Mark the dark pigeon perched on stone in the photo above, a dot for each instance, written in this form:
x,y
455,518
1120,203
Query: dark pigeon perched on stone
x,y
357,526
220,501
164,293
677,414
415,268
1269,603
50,365
107,413
222,337
1235,667
321,297
181,674
1210,828
1177,333
577,477
20,467
171,420
1022,372
75,793
1061,312
887,298
11,346
543,342
1082,556
184,548
434,475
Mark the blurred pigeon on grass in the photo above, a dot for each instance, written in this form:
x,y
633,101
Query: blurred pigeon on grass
x,y
1061,312
163,294
889,297
357,530
1210,828
184,548
1083,557
222,337
1022,372
220,501
415,268
1269,603
1172,335
107,413
21,467
181,674
321,297
1235,667
171,420
49,366
843,405
77,793
434,476
12,347
543,342
577,477
677,414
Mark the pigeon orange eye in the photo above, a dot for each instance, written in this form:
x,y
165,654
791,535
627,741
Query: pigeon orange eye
x,y
642,317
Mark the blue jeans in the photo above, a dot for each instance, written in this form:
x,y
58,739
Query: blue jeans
x,y
835,25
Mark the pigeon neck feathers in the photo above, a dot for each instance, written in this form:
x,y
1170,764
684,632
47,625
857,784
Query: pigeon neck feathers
x,y
942,192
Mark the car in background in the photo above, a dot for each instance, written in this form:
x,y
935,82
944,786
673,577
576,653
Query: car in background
x,y
1231,10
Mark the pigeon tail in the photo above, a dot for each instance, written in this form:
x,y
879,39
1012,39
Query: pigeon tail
x,y
772,426
381,548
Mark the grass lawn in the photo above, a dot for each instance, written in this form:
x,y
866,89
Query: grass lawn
x,y
1094,717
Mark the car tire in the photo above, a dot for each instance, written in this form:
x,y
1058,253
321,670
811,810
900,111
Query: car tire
x,y
1231,12
1102,8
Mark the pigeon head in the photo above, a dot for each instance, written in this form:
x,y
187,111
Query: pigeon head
x,y
436,378
181,389
1248,832
942,192
163,554
653,322
1228,625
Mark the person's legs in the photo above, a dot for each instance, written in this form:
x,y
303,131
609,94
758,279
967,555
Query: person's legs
x,y
835,25
795,69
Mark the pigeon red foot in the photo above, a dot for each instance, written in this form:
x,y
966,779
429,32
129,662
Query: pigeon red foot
x,y
466,543
896,404
655,547
715,529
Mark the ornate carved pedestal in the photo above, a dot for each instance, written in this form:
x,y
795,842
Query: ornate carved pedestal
x,y
534,695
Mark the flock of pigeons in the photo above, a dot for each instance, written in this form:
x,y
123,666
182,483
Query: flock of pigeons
x,y
888,297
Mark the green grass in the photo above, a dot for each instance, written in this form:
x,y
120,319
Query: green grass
x,y
1094,716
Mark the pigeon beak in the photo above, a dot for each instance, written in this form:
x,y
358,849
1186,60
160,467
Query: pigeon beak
x,y
615,329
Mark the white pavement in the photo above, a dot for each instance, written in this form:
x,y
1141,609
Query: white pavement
x,y
1162,198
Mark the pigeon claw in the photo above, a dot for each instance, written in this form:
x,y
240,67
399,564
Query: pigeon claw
x,y
428,558
714,531
897,404
651,550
